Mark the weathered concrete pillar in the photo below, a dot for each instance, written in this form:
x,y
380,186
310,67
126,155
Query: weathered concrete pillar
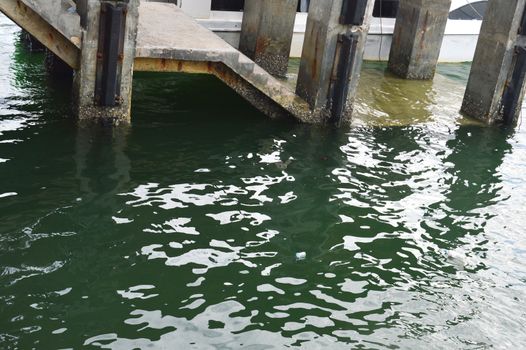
x,y
266,33
103,84
332,56
495,88
417,38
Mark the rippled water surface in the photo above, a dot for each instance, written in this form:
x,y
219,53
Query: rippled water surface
x,y
205,225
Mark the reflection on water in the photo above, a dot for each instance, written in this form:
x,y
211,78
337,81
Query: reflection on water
x,y
204,225
385,100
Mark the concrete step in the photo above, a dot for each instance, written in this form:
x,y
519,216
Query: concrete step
x,y
52,22
167,33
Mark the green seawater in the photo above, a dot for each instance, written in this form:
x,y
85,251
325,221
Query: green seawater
x,y
205,225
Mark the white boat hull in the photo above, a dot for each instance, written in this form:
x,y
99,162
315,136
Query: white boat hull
x,y
455,47
460,39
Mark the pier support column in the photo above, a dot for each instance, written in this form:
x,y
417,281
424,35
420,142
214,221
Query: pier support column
x,y
495,89
266,33
417,38
103,83
332,56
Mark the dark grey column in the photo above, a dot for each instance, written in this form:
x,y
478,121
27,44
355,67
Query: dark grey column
x,y
495,88
417,38
266,33
332,56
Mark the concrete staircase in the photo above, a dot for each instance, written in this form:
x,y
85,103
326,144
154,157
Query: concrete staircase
x,y
167,33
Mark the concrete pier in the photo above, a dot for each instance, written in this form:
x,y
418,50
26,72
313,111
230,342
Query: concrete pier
x,y
495,88
332,56
417,38
160,37
103,82
266,33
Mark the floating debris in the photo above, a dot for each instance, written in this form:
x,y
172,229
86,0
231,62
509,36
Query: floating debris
x,y
301,256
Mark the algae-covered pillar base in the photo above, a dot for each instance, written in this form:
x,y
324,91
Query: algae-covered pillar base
x,y
266,33
495,87
56,66
332,56
417,38
103,83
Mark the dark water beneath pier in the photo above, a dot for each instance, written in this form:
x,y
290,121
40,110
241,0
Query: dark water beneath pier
x,y
207,226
